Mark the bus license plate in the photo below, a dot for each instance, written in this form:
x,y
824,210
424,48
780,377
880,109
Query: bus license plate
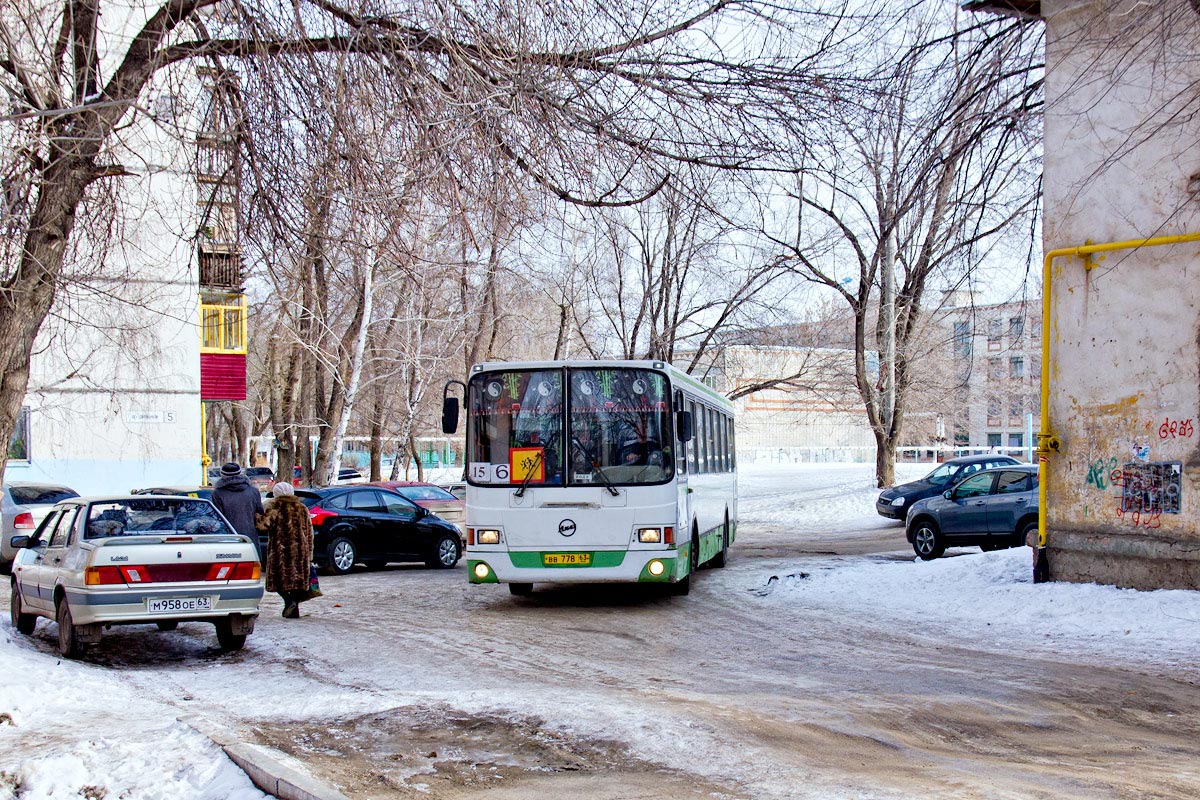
x,y
566,559
170,605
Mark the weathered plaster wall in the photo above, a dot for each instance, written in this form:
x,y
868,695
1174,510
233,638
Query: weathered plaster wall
x,y
1125,364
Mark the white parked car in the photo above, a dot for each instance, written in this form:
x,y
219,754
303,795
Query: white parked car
x,y
98,561
23,506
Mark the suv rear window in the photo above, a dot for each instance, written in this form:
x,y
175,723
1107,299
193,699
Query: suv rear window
x,y
40,495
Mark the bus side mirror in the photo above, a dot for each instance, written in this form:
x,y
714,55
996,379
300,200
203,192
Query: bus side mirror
x,y
449,415
683,426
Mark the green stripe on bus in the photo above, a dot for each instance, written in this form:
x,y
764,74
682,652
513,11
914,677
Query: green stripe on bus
x,y
600,558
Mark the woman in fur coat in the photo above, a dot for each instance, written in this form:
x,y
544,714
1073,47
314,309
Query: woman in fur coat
x,y
289,548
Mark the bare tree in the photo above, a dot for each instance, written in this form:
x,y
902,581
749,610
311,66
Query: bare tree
x,y
547,87
914,185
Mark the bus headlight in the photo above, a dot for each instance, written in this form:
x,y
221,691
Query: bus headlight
x,y
487,536
482,570
650,535
655,568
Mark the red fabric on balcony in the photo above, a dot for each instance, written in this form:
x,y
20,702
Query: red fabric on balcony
x,y
222,376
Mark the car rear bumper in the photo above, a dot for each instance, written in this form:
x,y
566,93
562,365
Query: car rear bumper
x,y
124,604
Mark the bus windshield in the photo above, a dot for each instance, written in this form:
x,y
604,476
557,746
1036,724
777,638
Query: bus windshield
x,y
516,427
620,427
618,430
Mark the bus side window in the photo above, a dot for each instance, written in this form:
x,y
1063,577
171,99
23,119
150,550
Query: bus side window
x,y
694,445
732,444
681,459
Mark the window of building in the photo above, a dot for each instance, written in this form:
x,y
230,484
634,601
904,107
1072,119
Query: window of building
x,y
1016,368
1016,328
995,331
993,440
18,446
962,339
994,372
1016,440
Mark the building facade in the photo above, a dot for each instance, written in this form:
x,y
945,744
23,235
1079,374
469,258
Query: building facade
x,y
807,408
1121,457
996,355
154,294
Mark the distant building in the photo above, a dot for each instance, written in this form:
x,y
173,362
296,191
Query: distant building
x,y
996,355
792,403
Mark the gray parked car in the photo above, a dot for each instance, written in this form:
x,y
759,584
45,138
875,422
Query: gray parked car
x,y
994,509
23,506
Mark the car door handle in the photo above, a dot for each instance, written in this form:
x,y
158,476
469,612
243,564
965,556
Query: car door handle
x,y
977,502
1020,501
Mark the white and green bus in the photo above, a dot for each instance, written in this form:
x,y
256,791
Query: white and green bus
x,y
595,471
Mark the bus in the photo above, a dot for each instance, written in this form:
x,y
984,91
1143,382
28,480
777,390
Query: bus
x,y
594,472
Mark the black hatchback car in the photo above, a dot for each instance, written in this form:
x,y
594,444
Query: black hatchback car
x,y
895,501
372,526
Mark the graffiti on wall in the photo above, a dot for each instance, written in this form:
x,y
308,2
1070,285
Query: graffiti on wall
x,y
1152,487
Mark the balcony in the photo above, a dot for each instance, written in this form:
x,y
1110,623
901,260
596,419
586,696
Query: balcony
x,y
223,326
220,267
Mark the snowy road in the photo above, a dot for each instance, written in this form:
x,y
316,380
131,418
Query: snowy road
x,y
823,662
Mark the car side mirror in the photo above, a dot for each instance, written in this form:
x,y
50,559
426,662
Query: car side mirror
x,y
449,415
21,542
683,426
948,494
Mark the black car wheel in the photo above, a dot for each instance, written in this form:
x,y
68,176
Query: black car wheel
x,y
445,553
24,623
927,540
226,638
1021,538
69,644
342,555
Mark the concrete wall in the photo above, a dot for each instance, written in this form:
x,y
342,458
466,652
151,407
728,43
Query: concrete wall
x,y
1125,365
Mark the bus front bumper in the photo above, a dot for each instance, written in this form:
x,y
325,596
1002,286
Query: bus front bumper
x,y
603,566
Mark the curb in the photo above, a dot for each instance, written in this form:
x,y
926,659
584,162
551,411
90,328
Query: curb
x,y
264,766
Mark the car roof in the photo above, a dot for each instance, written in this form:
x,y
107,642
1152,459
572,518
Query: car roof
x,y
975,459
27,484
390,484
117,498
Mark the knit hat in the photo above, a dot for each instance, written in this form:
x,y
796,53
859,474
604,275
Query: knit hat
x,y
230,469
283,489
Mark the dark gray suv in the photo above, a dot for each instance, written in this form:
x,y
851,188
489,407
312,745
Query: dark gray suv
x,y
994,509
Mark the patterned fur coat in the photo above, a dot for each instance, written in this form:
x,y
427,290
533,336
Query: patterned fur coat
x,y
289,544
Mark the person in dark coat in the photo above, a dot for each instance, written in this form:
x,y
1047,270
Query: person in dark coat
x,y
239,502
289,548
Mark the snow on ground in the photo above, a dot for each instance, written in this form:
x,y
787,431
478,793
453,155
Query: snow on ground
x,y
66,726
983,599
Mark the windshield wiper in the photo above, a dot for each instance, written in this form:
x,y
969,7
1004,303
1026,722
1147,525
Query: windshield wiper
x,y
596,467
541,457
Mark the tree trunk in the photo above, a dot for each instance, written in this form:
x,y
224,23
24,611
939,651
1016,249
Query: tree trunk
x,y
26,298
367,307
885,460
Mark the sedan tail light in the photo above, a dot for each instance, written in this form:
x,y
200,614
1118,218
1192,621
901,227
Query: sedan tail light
x,y
239,571
24,522
319,515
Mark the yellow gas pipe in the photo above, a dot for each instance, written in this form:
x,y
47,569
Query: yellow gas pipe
x,y
1047,441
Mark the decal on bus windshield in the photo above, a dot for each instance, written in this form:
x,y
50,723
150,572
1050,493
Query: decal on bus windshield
x,y
525,462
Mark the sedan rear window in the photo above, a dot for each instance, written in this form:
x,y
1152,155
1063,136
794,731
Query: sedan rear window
x,y
40,495
424,493
138,516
